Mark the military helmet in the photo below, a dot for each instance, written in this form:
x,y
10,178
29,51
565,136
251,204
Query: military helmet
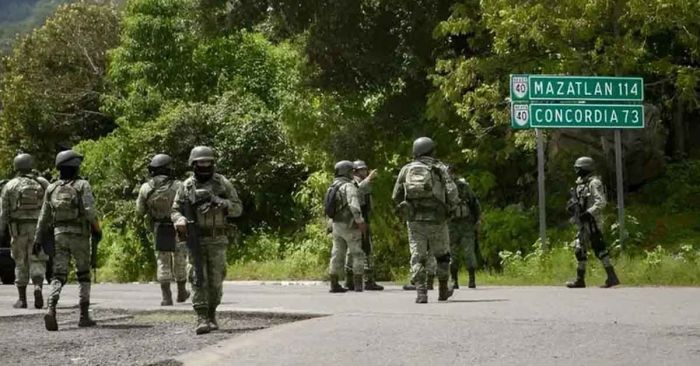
x,y
23,162
586,163
343,168
68,158
201,153
359,164
423,146
160,160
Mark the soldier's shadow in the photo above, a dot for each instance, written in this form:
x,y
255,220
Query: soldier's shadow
x,y
475,301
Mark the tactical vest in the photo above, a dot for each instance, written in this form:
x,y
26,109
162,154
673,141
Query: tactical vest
x,y
208,217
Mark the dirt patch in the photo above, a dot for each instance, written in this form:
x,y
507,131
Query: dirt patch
x,y
120,337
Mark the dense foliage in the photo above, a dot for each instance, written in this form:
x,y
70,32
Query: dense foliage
x,y
281,89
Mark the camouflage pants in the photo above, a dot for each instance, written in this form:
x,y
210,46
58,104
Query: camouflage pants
x,y
213,257
587,239
27,265
426,240
367,249
347,241
172,266
462,244
71,245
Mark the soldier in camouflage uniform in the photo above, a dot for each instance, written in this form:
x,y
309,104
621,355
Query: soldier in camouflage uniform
x,y
215,201
463,224
586,207
156,200
363,180
425,194
69,210
347,228
21,201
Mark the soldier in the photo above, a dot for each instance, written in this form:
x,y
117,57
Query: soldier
x,y
586,207
463,226
363,180
156,200
69,210
213,201
342,205
21,201
425,193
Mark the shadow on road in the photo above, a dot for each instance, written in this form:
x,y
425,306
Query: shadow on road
x,y
482,300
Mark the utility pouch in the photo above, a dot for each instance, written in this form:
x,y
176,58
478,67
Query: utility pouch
x,y
165,237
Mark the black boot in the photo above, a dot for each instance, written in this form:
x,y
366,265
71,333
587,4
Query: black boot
x,y
38,297
349,280
22,301
182,293
422,296
411,286
167,295
85,320
213,324
431,282
472,277
50,318
202,326
335,286
357,279
444,292
454,273
370,285
612,279
580,280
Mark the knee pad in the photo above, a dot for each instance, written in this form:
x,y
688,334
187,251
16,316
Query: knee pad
x,y
580,254
83,276
443,258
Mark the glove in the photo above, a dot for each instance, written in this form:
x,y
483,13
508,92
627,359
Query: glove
x,y
586,216
219,202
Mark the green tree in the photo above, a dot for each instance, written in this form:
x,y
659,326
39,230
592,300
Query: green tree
x,y
52,83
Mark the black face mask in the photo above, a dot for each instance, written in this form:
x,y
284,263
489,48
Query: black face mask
x,y
581,173
161,171
68,172
203,173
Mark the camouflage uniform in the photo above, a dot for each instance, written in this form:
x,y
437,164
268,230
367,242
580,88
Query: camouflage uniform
x,y
463,231
214,229
72,232
427,222
347,236
172,265
20,204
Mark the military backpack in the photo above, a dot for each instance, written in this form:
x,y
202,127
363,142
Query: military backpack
x,y
330,200
30,194
66,202
159,200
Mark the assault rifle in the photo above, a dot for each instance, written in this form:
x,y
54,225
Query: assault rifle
x,y
193,239
584,220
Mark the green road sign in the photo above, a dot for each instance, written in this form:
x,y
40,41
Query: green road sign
x,y
586,116
520,115
576,88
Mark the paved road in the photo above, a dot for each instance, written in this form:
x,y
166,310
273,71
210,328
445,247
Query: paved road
x,y
487,326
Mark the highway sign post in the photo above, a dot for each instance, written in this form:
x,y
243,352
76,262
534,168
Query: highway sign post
x,y
562,101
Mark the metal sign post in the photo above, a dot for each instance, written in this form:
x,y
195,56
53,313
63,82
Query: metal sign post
x,y
540,188
620,188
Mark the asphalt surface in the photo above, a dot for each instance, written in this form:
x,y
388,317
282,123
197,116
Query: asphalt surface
x,y
486,326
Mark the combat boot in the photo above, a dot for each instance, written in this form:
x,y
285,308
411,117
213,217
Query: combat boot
x,y
612,279
580,280
202,321
38,297
22,301
167,294
213,324
349,280
422,296
454,273
444,292
431,282
335,286
358,282
370,285
85,320
182,293
50,321
411,286
472,277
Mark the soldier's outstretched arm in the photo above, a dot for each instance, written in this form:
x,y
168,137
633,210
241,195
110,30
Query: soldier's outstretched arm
x,y
5,207
141,199
598,196
398,193
232,202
